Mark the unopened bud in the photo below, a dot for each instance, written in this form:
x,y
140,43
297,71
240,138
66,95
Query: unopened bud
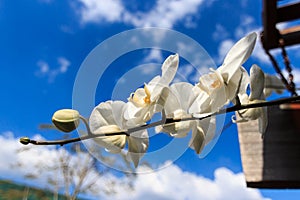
x,y
25,140
66,120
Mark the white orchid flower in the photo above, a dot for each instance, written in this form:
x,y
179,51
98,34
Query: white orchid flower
x,y
257,83
180,97
107,118
221,85
144,102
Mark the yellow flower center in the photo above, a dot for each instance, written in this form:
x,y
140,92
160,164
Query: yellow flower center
x,y
148,95
216,84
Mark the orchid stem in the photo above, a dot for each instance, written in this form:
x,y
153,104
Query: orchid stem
x,y
86,123
163,121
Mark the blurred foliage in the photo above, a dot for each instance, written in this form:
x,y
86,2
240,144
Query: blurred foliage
x,y
14,191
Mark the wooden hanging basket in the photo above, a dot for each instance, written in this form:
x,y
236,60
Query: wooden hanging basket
x,y
272,162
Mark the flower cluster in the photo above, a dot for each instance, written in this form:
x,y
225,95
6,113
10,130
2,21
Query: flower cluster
x,y
181,104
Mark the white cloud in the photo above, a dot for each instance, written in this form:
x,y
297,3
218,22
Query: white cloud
x,y
63,64
163,14
173,183
168,183
42,163
247,25
45,71
155,55
98,10
220,33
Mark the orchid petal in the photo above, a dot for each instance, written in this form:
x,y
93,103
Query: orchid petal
x,y
237,55
208,126
137,115
102,115
263,121
234,85
211,135
113,143
197,141
257,83
138,143
201,103
103,121
118,109
181,96
169,69
177,129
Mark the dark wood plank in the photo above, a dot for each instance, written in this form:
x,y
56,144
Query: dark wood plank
x,y
275,161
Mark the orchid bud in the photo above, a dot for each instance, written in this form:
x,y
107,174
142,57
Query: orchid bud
x,y
25,140
66,120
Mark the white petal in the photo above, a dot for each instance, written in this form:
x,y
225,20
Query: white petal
x,y
218,99
237,55
103,120
114,143
197,141
257,83
181,96
169,69
137,115
138,98
211,135
118,109
234,83
178,129
263,121
201,103
243,84
138,143
162,99
102,115
208,126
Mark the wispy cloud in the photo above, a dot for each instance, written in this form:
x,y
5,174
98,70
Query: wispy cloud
x,y
45,71
220,33
155,55
163,184
247,25
101,10
163,14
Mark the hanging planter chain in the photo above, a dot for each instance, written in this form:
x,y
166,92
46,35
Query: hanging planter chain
x,y
287,67
289,84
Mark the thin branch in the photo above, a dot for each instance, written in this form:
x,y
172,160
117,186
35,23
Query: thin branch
x,y
170,120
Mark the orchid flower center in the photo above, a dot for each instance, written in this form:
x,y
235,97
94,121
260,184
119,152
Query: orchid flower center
x,y
148,95
210,82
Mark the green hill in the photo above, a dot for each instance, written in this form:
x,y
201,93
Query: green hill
x,y
14,191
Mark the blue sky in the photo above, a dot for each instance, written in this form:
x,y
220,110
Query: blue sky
x,y
44,42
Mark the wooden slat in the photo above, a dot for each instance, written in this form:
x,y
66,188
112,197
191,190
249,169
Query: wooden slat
x,y
273,162
288,12
271,15
269,19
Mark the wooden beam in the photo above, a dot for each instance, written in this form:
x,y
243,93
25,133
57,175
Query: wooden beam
x,y
291,37
269,19
288,12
